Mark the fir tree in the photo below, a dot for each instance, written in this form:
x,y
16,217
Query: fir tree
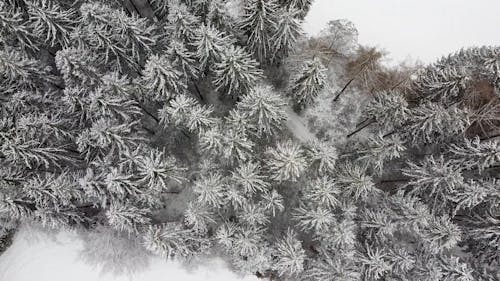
x,y
388,108
264,108
314,219
183,59
259,23
247,240
249,177
163,77
431,122
286,162
126,217
253,214
199,217
379,150
22,72
308,83
209,44
474,153
182,23
210,190
291,256
323,192
288,31
51,22
354,182
323,156
301,5
436,178
173,240
77,66
14,30
186,112
237,73
116,36
272,202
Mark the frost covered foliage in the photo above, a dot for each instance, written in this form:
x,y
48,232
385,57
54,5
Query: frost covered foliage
x,y
161,127
308,83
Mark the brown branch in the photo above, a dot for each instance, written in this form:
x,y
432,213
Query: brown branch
x,y
360,128
343,89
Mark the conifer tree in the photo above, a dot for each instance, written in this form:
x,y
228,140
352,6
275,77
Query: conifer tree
x,y
14,31
49,21
183,59
287,161
379,150
259,22
209,44
308,83
291,256
354,182
323,192
115,36
249,178
210,190
163,77
182,23
264,108
388,108
323,156
19,71
237,73
288,31
300,5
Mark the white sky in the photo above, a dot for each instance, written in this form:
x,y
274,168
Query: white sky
x,y
424,29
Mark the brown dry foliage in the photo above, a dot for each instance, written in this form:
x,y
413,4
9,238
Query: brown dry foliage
x,y
486,105
365,68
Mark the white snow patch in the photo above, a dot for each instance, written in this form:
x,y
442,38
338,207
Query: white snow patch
x,y
297,127
38,256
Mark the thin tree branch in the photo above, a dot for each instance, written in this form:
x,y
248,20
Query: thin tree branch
x,y
360,128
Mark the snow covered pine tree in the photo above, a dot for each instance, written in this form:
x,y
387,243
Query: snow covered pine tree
x,y
111,114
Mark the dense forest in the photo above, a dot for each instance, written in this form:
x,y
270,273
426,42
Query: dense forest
x,y
217,127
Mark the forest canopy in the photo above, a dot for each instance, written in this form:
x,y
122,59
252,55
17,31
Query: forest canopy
x,y
218,127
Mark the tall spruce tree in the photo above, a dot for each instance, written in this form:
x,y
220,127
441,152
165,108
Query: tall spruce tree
x,y
308,83
259,23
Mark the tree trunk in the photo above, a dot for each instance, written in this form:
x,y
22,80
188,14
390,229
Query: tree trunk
x,y
360,128
140,7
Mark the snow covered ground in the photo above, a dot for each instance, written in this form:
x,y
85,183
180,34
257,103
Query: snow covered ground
x,y
39,256
297,127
